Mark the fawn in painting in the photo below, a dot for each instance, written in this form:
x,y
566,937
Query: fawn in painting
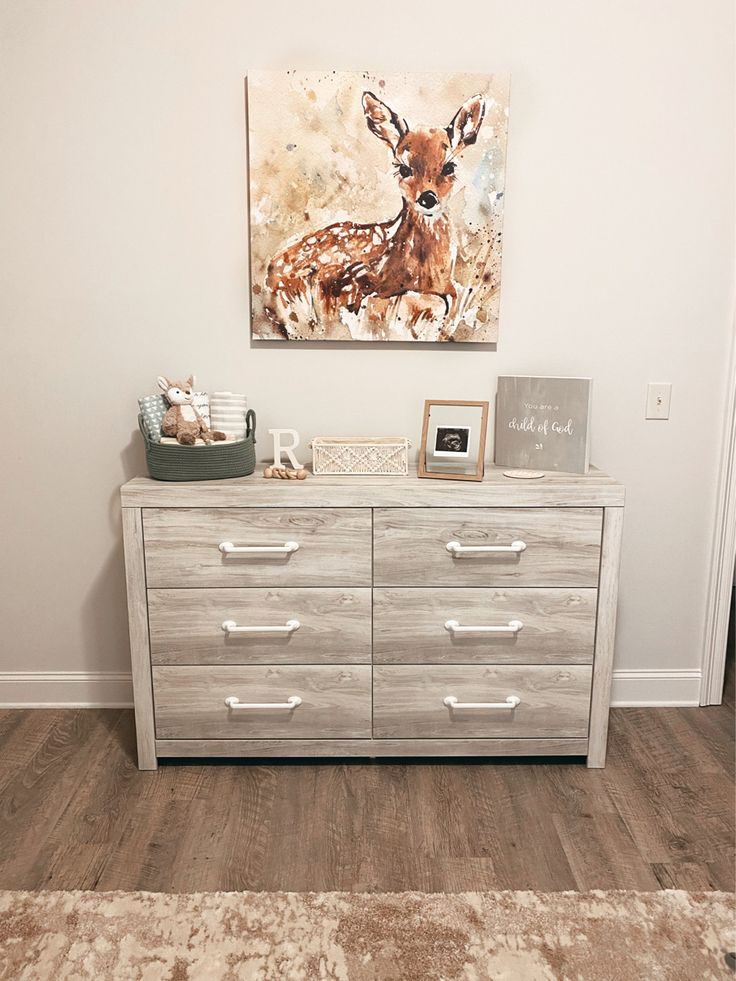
x,y
401,269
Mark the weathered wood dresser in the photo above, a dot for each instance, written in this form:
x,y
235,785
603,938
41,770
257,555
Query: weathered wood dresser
x,y
372,616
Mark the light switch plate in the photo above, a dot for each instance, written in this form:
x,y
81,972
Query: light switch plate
x,y
659,395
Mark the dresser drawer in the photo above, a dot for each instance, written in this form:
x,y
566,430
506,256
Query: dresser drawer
x,y
408,702
260,626
487,546
189,702
513,626
193,546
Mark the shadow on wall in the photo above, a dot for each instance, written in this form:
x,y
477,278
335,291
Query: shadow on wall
x,y
104,611
320,346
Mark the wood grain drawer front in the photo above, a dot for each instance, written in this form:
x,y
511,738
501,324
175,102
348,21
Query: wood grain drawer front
x,y
335,702
260,626
511,626
408,702
531,546
183,546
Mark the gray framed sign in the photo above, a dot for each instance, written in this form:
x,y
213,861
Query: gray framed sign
x,y
543,423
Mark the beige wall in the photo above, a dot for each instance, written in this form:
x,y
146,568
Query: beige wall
x,y
123,255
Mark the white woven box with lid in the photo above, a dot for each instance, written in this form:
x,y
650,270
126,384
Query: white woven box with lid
x,y
361,455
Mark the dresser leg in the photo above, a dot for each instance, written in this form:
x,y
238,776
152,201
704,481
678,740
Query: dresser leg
x,y
140,659
613,519
147,758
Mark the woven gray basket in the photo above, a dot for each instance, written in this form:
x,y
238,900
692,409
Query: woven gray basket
x,y
168,461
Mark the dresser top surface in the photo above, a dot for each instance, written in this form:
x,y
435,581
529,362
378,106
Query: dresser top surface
x,y
594,489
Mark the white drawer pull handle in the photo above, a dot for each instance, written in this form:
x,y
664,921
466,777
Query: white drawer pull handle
x,y
512,627
227,548
455,548
231,627
452,703
233,702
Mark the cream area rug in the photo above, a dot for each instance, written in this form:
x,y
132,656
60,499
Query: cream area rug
x,y
524,936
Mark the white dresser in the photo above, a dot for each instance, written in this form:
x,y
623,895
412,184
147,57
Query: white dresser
x,y
372,616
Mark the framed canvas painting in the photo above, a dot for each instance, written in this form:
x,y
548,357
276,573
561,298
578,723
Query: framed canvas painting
x,y
376,205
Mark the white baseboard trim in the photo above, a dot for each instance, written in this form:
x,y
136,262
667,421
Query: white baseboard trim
x,y
656,688
113,689
66,689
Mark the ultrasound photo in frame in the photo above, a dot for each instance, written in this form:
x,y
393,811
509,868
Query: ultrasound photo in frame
x,y
453,440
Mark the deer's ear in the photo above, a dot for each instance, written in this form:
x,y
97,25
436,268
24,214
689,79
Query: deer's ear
x,y
383,121
463,130
163,383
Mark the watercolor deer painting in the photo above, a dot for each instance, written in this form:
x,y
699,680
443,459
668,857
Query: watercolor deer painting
x,y
398,271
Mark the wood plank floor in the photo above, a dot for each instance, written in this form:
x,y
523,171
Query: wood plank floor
x,y
75,813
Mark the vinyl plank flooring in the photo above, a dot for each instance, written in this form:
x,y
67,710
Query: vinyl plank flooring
x,y
440,802
200,848
677,810
318,827
246,836
721,869
385,826
515,829
103,797
710,729
21,736
90,827
33,802
75,866
224,843
150,853
452,875
76,813
599,850
692,877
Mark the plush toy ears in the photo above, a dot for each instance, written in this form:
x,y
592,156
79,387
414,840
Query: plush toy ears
x,y
190,381
163,383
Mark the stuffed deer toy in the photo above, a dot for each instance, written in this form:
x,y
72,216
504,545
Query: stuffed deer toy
x,y
182,420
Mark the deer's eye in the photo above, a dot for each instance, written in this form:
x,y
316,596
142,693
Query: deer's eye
x,y
405,170
449,169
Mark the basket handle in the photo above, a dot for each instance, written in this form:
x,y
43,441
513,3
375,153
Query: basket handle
x,y
250,424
